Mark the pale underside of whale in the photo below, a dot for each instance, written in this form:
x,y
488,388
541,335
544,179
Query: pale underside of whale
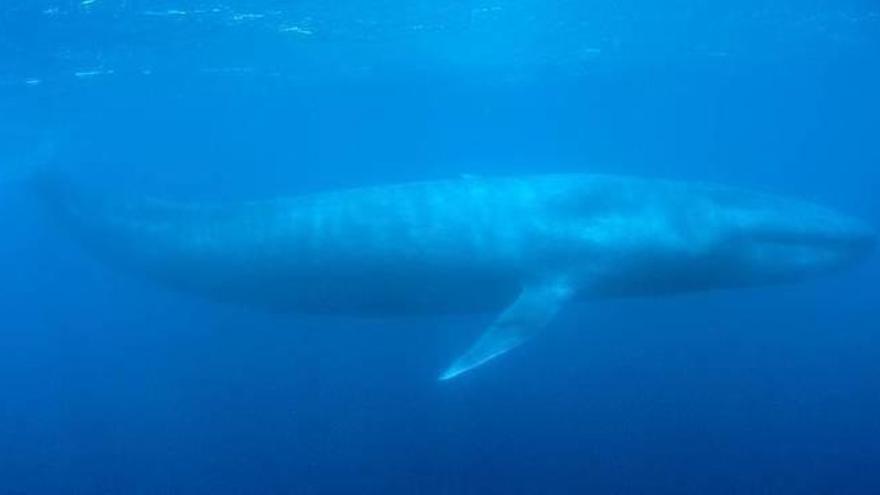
x,y
524,246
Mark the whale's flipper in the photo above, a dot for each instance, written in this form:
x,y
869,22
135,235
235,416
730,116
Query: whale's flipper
x,y
531,311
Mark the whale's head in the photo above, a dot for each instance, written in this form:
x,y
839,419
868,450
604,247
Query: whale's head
x,y
772,239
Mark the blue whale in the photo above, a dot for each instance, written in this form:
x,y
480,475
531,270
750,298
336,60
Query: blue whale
x,y
521,246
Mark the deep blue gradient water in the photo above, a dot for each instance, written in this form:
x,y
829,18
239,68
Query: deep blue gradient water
x,y
111,384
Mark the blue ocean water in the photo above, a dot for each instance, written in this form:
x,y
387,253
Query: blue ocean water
x,y
112,384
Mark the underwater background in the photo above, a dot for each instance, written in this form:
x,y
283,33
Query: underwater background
x,y
111,384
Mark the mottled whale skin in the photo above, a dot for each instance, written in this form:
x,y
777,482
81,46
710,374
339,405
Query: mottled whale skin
x,y
528,244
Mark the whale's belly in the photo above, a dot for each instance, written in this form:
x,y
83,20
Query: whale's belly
x,y
356,285
368,292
